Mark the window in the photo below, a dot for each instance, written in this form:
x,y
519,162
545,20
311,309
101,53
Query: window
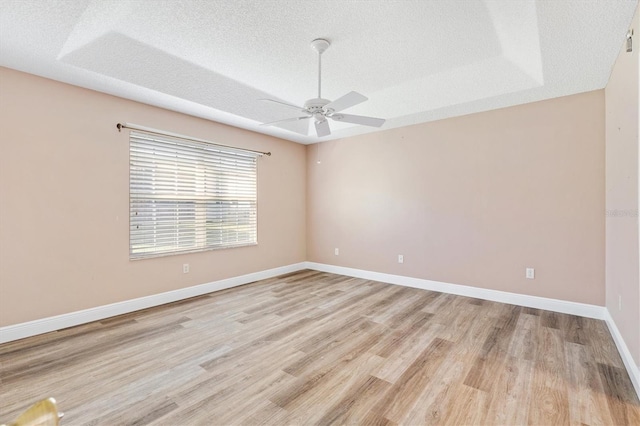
x,y
187,196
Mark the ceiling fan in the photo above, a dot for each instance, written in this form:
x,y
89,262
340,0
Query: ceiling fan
x,y
321,109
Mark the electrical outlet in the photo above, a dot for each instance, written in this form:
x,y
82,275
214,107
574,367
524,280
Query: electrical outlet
x,y
185,268
619,302
336,251
530,273
400,258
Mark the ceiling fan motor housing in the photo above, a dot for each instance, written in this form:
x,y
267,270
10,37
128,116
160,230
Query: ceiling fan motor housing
x,y
315,107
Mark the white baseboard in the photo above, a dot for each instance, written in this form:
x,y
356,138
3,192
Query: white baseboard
x,y
563,306
45,325
625,354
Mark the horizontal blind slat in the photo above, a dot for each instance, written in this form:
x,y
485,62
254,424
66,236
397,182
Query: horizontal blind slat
x,y
189,196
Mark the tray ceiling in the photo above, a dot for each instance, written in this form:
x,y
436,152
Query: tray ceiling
x,y
416,61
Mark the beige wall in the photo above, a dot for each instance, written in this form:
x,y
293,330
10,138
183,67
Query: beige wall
x,y
622,256
64,202
471,200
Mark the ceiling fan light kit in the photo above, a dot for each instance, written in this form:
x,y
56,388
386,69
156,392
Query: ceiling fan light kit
x,y
321,109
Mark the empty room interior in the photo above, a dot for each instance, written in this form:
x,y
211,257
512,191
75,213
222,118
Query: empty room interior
x,y
319,212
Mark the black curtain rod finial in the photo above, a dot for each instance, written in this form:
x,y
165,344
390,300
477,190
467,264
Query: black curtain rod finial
x,y
119,126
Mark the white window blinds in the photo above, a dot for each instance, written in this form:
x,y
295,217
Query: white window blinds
x,y
189,196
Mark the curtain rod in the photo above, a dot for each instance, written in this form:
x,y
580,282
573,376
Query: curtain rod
x,y
121,126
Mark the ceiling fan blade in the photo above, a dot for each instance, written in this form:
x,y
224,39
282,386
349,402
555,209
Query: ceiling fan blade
x,y
284,104
322,128
358,119
285,120
347,101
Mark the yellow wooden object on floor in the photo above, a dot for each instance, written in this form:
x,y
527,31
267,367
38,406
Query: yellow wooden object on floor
x,y
42,413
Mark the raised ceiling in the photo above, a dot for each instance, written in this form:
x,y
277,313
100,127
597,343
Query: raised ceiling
x,y
416,61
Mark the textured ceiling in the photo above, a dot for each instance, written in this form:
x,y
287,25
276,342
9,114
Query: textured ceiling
x,y
416,61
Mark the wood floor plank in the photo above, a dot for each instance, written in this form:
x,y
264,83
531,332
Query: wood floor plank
x,y
267,413
405,391
491,360
325,368
310,407
399,318
510,395
550,404
318,348
408,352
435,402
354,406
398,338
587,400
523,344
471,407
603,347
618,394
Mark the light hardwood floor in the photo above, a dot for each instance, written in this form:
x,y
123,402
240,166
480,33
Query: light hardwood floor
x,y
317,348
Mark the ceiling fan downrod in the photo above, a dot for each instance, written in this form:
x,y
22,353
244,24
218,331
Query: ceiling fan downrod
x,y
320,45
